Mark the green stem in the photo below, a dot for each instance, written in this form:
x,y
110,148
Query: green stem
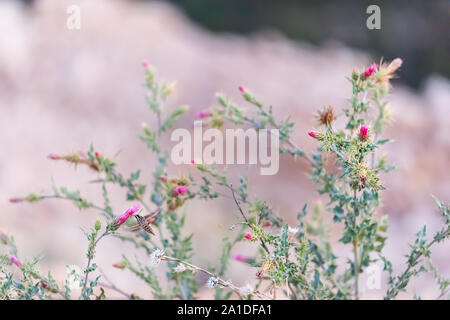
x,y
355,254
90,257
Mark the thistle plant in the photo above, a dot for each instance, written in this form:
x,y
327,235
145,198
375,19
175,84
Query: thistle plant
x,y
295,262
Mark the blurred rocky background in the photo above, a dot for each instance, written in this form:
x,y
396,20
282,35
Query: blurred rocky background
x,y
61,90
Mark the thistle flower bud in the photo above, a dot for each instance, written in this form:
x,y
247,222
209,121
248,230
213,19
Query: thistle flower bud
x,y
15,260
239,257
145,64
247,95
168,89
98,225
370,70
181,190
202,114
55,157
363,133
313,134
121,265
266,223
32,197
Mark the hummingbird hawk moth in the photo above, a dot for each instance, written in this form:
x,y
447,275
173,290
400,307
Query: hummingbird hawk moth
x,y
144,222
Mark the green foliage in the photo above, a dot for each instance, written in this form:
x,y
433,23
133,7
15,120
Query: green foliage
x,y
297,262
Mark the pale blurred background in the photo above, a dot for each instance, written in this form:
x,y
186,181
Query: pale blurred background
x,y
61,90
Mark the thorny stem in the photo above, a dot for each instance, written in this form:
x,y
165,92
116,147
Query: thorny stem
x,y
44,280
393,291
355,249
90,257
98,208
263,244
355,253
221,282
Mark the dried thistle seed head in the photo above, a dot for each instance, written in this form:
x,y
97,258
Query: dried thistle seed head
x,y
212,282
386,71
156,257
326,116
260,273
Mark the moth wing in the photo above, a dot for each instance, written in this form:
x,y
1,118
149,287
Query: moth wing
x,y
152,216
140,221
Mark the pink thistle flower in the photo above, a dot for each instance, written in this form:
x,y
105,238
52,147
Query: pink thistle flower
x,y
192,161
124,217
181,190
16,200
363,133
145,64
248,236
55,157
313,134
15,260
370,70
239,257
241,89
202,114
267,224
120,265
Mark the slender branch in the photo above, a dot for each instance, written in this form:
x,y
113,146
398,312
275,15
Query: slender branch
x,y
292,144
356,266
47,282
90,257
263,244
355,248
412,261
221,282
112,286
98,208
